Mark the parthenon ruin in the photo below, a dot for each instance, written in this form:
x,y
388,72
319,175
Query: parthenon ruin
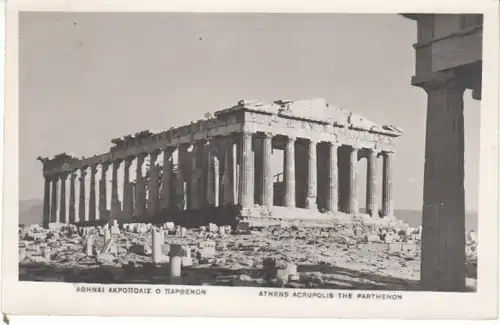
x,y
226,161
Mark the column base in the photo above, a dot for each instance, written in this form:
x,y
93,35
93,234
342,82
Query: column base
x,y
311,203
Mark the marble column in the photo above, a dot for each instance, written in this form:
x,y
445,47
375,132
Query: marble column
x,y
371,184
228,178
332,195
387,201
289,172
115,200
81,201
154,184
312,183
196,174
353,181
267,189
140,196
92,201
53,205
246,195
72,198
46,202
103,200
128,198
212,176
166,195
62,209
180,199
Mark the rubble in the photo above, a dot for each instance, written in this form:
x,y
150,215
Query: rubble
x,y
281,256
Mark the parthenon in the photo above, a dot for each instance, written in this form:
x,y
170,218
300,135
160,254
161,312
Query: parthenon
x,y
226,161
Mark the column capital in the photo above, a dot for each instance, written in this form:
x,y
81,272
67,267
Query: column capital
x,y
332,144
63,175
450,79
93,168
356,147
73,174
291,138
105,165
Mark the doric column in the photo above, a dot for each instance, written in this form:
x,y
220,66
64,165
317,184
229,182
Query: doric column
x,y
267,192
140,196
228,178
81,203
103,200
166,178
62,209
115,200
353,182
443,221
53,205
196,175
212,176
289,172
387,201
92,203
153,190
246,170
371,184
312,183
180,198
332,197
72,198
128,198
46,202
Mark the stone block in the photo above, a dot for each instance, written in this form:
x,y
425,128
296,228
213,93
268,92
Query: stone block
x,y
187,261
243,227
372,238
294,278
395,246
207,252
212,227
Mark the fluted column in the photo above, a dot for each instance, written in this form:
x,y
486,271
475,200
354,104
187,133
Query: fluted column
x,y
115,200
81,203
246,170
53,205
332,196
46,202
228,178
194,188
443,220
181,198
128,198
267,190
166,179
154,184
212,176
290,172
140,196
371,184
72,198
387,206
312,184
353,182
62,209
92,198
103,200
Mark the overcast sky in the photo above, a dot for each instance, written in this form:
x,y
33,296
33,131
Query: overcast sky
x,y
87,78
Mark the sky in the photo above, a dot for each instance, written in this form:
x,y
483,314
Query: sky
x,y
86,78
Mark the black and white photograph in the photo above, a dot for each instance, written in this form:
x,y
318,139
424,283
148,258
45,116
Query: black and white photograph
x,y
305,155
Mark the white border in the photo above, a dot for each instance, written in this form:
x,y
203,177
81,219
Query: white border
x,y
61,299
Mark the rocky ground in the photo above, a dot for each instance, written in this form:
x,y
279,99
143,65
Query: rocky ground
x,y
345,256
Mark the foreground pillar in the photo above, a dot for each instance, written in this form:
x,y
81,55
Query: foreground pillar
x,y
267,193
332,197
46,203
53,205
353,182
62,209
312,183
140,196
72,198
92,203
443,221
167,179
103,200
81,201
246,171
387,201
371,184
128,197
289,172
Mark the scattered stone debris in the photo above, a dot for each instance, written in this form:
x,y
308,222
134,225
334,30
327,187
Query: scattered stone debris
x,y
280,256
